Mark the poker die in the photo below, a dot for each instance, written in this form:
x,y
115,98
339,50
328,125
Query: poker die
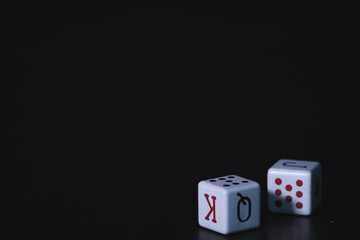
x,y
294,186
229,204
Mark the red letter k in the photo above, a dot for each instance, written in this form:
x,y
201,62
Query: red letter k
x,y
212,208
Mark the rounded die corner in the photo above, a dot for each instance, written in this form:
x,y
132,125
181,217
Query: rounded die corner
x,y
257,185
319,167
271,171
304,213
257,224
226,230
201,183
205,183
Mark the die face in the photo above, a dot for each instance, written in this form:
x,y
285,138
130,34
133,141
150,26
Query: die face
x,y
211,202
229,204
316,187
291,186
289,193
295,165
244,209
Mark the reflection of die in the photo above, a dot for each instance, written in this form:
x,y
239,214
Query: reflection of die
x,y
229,204
294,186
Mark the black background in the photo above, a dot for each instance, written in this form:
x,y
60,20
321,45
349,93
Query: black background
x,y
114,112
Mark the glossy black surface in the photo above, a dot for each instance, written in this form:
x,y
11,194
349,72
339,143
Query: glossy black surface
x,y
55,196
114,112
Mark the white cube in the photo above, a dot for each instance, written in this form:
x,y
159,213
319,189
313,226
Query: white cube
x,y
229,204
294,186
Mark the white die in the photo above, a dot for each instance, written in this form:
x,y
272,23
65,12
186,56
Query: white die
x,y
229,204
294,186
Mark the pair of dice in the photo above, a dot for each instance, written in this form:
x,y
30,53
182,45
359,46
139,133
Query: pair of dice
x,y
231,203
